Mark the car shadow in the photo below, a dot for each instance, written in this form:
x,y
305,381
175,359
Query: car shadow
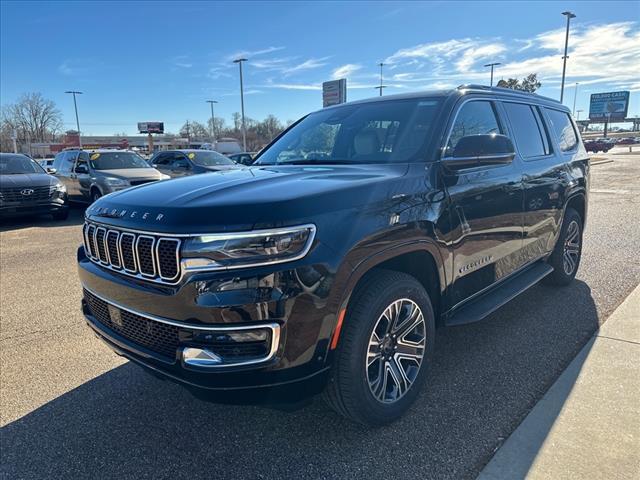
x,y
485,378
76,217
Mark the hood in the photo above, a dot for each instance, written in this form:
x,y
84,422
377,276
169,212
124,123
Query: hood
x,y
27,180
130,173
240,199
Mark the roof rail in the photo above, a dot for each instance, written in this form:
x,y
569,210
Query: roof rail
x,y
510,91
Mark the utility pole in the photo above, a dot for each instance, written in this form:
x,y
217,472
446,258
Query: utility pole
x,y
492,65
569,16
575,94
239,61
75,106
381,85
213,134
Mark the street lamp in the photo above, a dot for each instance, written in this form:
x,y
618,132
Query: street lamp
x,y
239,61
575,94
492,65
213,136
75,106
569,16
381,85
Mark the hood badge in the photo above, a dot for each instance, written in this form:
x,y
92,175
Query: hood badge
x,y
115,213
26,191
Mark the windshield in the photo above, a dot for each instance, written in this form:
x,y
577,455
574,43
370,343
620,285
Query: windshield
x,y
377,132
117,160
209,158
17,164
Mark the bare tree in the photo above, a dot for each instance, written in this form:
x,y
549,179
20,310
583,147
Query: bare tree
x,y
33,118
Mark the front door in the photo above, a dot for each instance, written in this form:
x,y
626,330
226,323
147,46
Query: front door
x,y
485,208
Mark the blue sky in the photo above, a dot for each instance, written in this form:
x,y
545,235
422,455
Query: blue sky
x,y
144,61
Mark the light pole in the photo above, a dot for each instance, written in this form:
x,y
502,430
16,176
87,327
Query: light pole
x,y
239,61
213,135
381,85
569,16
75,106
492,65
575,94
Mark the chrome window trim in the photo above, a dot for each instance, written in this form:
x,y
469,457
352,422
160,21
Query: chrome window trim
x,y
106,240
137,255
177,251
273,326
133,253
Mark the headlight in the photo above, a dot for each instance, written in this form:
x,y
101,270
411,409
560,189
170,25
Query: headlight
x,y
116,182
60,187
164,177
237,250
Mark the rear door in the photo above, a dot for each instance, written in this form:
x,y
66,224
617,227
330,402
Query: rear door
x,y
485,207
65,171
162,162
544,177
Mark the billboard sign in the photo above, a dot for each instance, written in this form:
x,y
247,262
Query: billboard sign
x,y
151,127
334,92
609,106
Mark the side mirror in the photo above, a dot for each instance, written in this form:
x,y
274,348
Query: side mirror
x,y
51,170
81,169
480,150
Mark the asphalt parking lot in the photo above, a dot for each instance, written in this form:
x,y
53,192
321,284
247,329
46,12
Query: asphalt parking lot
x,y
69,408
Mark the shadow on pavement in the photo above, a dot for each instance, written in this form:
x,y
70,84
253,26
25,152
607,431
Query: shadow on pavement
x,y
485,379
76,217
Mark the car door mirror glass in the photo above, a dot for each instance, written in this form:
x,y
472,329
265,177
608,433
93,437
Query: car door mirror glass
x,y
479,150
51,170
81,169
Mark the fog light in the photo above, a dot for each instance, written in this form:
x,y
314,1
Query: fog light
x,y
231,337
200,357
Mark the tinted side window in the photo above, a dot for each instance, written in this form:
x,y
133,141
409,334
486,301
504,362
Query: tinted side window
x,y
474,118
57,161
83,159
162,159
563,129
67,162
526,130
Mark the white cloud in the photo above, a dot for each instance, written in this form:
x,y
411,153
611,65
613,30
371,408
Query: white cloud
x,y
345,71
306,65
598,53
295,86
253,53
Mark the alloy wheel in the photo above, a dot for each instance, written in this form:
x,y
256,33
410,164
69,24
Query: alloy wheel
x,y
571,252
396,349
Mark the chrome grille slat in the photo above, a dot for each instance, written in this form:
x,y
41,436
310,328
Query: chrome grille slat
x,y
152,257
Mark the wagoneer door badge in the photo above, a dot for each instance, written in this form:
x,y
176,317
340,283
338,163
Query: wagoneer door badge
x,y
469,267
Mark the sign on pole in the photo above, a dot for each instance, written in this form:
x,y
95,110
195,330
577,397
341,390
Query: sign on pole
x,y
334,92
151,127
609,106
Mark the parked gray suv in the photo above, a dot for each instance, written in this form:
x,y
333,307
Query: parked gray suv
x,y
90,174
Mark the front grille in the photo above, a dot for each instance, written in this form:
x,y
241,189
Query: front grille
x,y
140,182
37,194
165,339
150,257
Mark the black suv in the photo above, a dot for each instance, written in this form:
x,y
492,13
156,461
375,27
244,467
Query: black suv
x,y
328,264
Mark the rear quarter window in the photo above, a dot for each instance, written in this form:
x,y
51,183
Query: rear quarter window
x,y
562,127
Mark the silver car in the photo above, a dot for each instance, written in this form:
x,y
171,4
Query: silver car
x,y
90,174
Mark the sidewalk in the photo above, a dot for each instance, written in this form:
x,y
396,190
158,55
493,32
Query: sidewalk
x,y
587,426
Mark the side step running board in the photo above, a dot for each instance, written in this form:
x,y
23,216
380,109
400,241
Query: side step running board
x,y
489,302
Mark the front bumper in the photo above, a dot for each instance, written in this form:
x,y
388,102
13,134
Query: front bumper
x,y
25,209
233,301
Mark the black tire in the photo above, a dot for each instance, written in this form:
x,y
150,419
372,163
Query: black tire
x,y
349,392
61,215
95,195
566,255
